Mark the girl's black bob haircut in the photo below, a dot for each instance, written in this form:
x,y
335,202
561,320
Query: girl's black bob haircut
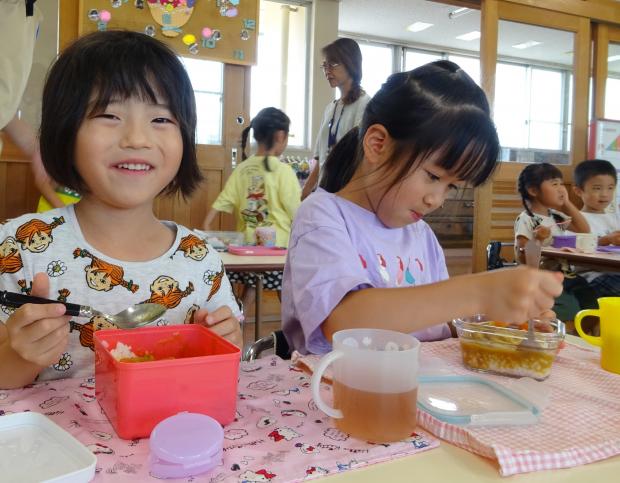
x,y
435,111
109,65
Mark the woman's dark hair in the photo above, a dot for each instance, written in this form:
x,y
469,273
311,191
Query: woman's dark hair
x,y
111,65
265,125
533,176
434,110
347,52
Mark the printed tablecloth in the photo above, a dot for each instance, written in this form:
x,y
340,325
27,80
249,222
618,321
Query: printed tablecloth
x,y
278,433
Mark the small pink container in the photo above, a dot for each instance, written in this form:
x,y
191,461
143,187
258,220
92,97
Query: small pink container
x,y
195,370
561,241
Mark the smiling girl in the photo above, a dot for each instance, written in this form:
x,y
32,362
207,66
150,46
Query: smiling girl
x,y
118,126
360,253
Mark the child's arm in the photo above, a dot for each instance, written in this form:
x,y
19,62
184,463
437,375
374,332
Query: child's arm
x,y
611,239
312,180
32,338
578,223
510,295
206,225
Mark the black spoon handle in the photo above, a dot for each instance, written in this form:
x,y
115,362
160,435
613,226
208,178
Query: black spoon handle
x,y
15,300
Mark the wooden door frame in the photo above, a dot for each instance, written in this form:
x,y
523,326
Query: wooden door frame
x,y
602,35
491,13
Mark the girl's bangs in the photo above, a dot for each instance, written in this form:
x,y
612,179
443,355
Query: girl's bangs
x,y
466,146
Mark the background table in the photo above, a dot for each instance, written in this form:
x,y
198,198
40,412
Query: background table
x,y
256,265
600,260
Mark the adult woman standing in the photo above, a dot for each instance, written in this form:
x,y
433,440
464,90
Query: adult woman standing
x,y
342,65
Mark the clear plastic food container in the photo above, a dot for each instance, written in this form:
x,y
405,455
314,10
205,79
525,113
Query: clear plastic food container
x,y
221,239
496,347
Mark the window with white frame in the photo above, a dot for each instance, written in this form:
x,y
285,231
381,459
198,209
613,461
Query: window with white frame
x,y
280,77
530,109
377,62
207,79
414,58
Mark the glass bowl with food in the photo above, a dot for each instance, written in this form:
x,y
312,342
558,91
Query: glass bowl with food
x,y
508,349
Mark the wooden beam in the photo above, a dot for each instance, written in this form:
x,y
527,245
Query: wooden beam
x,y
601,10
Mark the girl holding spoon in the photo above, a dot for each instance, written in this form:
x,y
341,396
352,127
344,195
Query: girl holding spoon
x,y
118,124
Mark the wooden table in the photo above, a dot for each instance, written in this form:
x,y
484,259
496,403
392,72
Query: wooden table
x,y
256,265
603,261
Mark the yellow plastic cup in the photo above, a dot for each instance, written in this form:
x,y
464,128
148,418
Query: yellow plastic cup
x,y
609,340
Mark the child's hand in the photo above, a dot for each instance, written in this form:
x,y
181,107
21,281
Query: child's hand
x,y
222,322
613,238
39,333
518,294
542,232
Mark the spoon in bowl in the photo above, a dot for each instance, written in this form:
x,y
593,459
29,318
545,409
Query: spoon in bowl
x,y
135,316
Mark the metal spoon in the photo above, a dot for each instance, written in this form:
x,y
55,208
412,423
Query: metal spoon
x,y
135,316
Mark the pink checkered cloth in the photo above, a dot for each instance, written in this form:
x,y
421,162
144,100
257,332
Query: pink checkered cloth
x,y
278,435
580,425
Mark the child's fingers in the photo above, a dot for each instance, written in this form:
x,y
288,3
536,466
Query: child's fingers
x,y
229,329
219,315
27,314
41,285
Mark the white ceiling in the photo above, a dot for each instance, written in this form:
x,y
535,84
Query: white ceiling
x,y
388,19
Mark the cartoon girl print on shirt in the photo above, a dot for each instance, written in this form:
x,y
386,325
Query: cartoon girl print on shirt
x,y
35,235
256,210
193,247
86,330
103,276
165,291
10,259
215,279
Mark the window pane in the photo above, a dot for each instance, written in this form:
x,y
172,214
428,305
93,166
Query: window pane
x,y
612,98
511,105
545,127
376,66
470,65
209,109
208,82
280,76
415,59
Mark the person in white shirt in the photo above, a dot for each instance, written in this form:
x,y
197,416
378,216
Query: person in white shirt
x,y
342,65
595,184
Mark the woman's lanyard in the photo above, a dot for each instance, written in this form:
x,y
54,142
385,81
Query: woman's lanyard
x,y
331,138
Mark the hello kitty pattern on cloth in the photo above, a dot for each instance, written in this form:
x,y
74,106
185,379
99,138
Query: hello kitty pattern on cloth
x,y
278,433
189,276
348,248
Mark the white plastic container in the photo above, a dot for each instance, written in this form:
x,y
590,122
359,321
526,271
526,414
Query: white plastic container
x,y
35,449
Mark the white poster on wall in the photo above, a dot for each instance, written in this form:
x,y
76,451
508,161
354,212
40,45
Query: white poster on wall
x,y
607,146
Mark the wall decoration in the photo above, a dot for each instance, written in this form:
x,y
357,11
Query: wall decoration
x,y
218,30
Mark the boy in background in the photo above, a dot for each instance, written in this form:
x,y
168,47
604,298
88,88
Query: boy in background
x,y
595,183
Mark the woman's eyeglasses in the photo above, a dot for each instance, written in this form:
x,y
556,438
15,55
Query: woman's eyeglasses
x,y
329,65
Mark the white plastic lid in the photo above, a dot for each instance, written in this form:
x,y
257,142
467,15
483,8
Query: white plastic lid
x,y
471,400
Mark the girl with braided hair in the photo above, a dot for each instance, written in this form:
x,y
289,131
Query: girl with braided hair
x,y
548,211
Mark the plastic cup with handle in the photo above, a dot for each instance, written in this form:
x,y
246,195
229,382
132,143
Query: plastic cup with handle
x,y
375,383
609,340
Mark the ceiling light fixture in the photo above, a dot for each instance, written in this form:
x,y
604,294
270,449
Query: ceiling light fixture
x,y
469,36
526,45
419,26
459,12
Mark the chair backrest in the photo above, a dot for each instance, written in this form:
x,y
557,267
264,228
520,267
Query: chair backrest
x,y
275,340
495,257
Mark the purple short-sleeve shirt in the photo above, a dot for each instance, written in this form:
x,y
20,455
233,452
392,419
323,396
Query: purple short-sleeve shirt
x,y
337,246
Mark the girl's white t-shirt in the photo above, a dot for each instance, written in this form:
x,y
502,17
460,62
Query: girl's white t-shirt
x,y
526,224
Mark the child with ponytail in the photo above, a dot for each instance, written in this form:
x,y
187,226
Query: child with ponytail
x,y
261,191
360,253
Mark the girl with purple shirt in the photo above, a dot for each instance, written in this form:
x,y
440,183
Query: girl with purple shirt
x,y
360,254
